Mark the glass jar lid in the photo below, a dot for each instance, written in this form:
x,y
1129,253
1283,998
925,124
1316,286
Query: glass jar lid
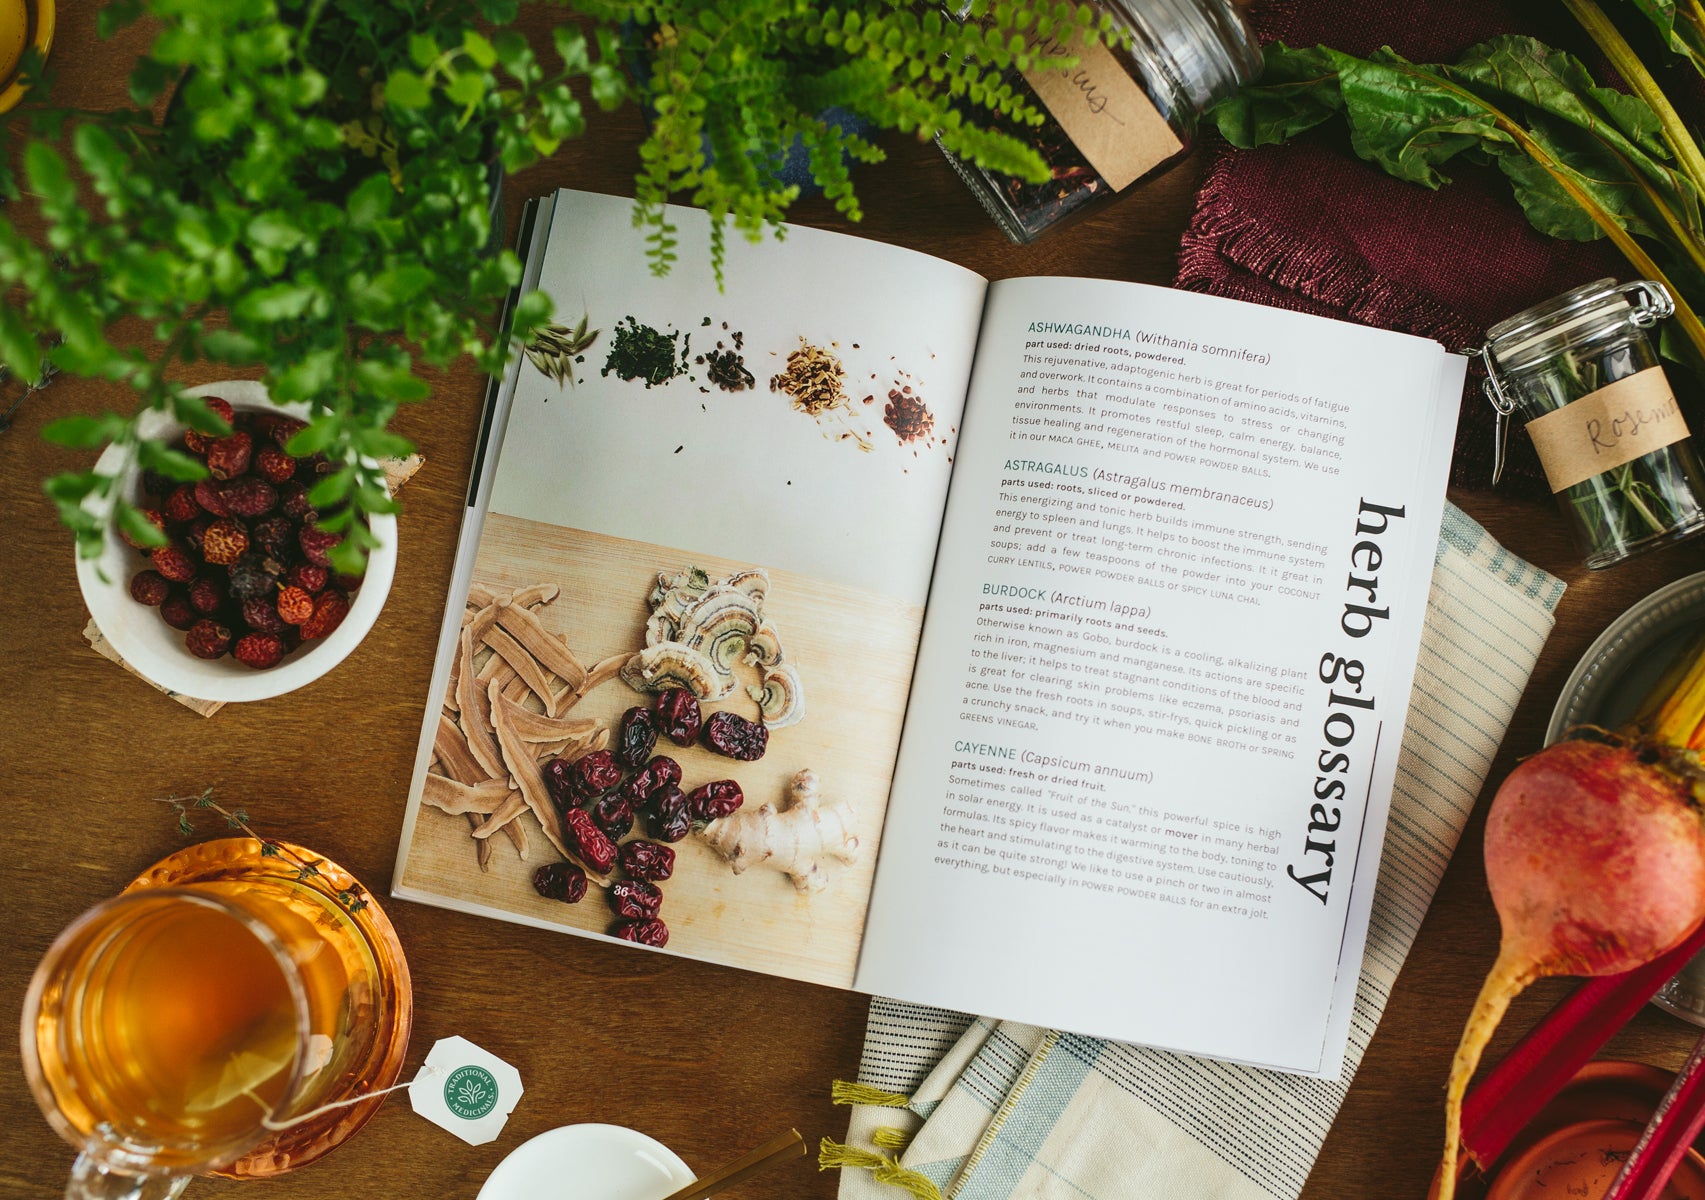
x,y
1575,316
1206,44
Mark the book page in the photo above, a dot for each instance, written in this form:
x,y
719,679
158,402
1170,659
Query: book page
x,y
1165,670
734,492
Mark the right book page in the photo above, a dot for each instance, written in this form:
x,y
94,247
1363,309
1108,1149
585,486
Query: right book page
x,y
1165,667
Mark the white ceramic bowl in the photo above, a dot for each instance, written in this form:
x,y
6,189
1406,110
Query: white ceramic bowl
x,y
154,648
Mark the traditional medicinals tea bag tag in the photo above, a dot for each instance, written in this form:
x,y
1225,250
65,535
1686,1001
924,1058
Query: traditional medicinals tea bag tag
x,y
466,1090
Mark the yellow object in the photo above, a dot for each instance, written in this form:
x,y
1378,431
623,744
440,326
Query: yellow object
x,y
14,35
22,23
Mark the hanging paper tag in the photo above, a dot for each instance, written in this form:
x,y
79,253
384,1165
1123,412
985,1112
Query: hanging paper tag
x,y
466,1090
1106,114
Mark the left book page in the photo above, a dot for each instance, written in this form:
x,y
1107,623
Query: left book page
x,y
742,487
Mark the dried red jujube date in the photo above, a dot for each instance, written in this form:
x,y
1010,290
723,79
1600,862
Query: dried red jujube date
x,y
646,933
678,716
647,860
658,773
635,900
589,844
614,815
666,815
594,774
636,737
733,736
560,881
714,800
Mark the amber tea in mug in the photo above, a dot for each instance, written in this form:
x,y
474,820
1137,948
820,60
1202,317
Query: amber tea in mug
x,y
198,1025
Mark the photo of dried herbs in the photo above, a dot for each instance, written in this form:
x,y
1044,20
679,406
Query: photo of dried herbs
x,y
556,349
641,748
725,366
650,355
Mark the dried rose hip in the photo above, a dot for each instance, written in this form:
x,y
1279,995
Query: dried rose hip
x,y
294,605
208,639
733,735
276,536
293,500
181,506
254,576
150,588
259,650
678,716
330,608
614,815
224,542
636,737
173,562
309,578
205,596
248,496
177,613
635,900
587,841
315,542
666,817
647,860
714,800
261,616
646,933
154,517
560,881
272,463
282,429
228,457
208,498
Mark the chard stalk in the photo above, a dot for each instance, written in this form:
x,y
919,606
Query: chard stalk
x,y
1621,55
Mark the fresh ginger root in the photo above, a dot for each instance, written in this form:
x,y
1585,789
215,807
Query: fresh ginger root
x,y
795,841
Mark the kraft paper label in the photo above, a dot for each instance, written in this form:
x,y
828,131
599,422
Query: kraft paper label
x,y
1604,429
1105,112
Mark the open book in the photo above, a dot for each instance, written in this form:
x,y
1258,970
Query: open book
x,y
1077,620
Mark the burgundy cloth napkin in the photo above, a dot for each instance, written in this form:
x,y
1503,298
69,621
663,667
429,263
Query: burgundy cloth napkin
x,y
1308,225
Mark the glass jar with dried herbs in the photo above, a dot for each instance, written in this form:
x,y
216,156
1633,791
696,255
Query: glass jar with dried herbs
x,y
1123,113
1584,377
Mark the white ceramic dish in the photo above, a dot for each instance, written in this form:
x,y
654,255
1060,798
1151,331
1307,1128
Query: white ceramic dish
x,y
588,1162
157,650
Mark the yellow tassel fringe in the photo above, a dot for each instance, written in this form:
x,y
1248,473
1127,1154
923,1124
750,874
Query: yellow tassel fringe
x,y
882,1168
890,1138
842,1092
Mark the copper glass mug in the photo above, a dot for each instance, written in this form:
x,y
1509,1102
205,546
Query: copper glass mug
x,y
204,1020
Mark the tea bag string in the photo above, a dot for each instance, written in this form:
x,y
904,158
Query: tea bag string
x,y
268,1123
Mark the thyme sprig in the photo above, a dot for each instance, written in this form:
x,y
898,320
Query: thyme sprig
x,y
352,899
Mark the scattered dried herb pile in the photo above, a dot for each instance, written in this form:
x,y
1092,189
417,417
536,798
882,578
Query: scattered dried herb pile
x,y
641,352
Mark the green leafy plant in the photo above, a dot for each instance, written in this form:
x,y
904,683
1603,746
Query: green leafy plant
x,y
1584,161
733,85
315,203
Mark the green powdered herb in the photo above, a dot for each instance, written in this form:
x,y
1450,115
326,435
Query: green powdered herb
x,y
641,352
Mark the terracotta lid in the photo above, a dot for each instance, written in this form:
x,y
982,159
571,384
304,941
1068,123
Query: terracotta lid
x,y
1581,1160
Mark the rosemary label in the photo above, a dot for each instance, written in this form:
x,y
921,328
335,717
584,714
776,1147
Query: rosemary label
x,y
1602,430
1106,113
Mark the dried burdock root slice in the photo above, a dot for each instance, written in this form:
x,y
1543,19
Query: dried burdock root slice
x,y
552,653
511,808
455,798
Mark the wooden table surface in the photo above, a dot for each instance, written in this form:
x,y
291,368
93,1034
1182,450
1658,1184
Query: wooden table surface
x,y
707,1059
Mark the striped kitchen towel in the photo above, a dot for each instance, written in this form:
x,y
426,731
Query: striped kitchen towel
x,y
973,1109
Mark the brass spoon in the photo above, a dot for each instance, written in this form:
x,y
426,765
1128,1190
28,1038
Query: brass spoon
x,y
782,1146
